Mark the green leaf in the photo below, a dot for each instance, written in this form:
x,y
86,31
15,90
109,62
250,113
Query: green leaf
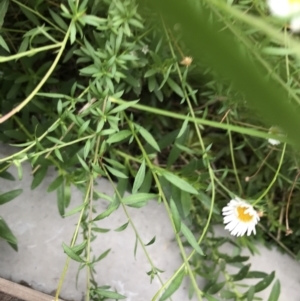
x,y
210,297
119,136
138,198
93,20
275,293
261,285
3,10
86,149
100,230
72,254
107,212
67,192
7,176
250,293
236,259
72,32
116,172
139,178
186,203
8,196
226,294
19,169
173,287
121,228
82,162
216,287
175,87
191,238
58,154
7,235
30,16
75,210
84,127
109,294
59,21
61,199
56,183
55,140
79,248
175,180
103,255
135,246
183,128
256,274
148,137
3,44
175,216
123,107
152,241
242,273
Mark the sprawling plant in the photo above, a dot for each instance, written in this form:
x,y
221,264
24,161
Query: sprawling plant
x,y
109,88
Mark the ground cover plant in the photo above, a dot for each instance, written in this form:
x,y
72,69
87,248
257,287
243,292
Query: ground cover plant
x,y
204,123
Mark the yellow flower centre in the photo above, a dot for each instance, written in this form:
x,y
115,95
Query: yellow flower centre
x,y
293,1
242,215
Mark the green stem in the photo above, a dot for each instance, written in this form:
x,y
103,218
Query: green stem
x,y
274,179
199,121
233,162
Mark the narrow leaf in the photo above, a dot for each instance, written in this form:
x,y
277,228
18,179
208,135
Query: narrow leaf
x,y
175,180
107,212
264,283
123,107
121,228
242,273
119,136
116,172
109,294
103,255
250,293
6,234
173,287
139,197
175,216
275,293
139,178
148,137
152,241
71,253
191,238
61,200
56,183
75,210
8,196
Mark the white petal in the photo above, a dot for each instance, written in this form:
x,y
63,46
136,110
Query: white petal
x,y
281,8
232,225
295,27
271,140
228,219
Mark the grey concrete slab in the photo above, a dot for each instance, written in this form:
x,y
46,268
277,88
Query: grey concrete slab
x,y
34,219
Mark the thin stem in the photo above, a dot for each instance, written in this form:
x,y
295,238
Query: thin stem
x,y
199,121
233,161
43,80
274,178
75,235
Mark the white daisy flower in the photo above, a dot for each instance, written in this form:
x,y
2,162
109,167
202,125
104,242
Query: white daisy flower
x,y
240,217
287,9
274,131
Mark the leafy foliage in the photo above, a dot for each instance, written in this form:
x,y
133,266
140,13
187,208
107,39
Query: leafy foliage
x,y
107,88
